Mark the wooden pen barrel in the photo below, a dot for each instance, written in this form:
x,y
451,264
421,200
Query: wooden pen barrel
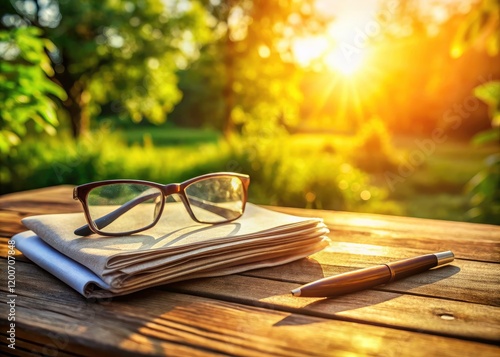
x,y
348,282
369,277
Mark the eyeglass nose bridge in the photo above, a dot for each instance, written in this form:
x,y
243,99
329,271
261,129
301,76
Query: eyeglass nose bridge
x,y
176,188
171,189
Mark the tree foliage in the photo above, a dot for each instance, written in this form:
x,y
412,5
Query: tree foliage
x,y
482,29
120,53
25,90
253,78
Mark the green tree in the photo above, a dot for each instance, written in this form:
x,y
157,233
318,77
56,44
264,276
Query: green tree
x,y
260,81
484,187
482,29
121,53
25,89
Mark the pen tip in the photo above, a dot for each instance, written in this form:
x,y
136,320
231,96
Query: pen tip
x,y
296,292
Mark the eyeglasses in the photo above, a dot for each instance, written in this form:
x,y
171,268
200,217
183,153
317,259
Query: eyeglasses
x,y
118,207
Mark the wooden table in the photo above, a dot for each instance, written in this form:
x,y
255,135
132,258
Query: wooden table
x,y
453,310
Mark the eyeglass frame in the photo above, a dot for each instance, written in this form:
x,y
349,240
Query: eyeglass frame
x,y
81,192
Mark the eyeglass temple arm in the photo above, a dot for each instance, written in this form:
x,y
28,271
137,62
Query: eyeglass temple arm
x,y
106,220
112,216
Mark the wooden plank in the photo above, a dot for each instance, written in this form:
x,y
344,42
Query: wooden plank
x,y
469,281
10,223
369,221
155,322
463,280
426,234
253,313
25,346
58,199
365,254
16,206
481,249
4,248
409,312
57,334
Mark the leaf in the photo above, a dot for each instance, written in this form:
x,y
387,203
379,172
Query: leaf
x,y
492,135
25,90
492,160
476,181
489,93
495,120
7,140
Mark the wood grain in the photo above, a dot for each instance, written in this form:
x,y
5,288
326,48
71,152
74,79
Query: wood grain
x,y
452,310
417,233
470,281
57,199
409,312
156,322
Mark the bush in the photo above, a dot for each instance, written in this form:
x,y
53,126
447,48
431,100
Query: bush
x,y
324,181
372,150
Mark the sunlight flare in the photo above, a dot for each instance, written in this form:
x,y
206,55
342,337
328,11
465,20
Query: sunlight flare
x,y
307,50
320,50
338,61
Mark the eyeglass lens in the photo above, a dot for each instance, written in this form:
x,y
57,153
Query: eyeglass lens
x,y
123,207
216,199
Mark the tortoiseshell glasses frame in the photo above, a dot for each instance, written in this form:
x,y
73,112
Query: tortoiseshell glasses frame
x,y
122,207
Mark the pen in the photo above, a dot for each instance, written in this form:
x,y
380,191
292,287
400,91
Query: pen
x,y
368,277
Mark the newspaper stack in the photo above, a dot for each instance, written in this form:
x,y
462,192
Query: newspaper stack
x,y
177,248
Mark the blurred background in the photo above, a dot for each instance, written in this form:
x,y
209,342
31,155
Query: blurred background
x,y
383,106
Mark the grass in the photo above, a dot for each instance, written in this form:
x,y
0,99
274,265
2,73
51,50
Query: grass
x,y
436,187
168,136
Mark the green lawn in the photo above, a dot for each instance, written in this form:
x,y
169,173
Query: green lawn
x,y
436,188
169,136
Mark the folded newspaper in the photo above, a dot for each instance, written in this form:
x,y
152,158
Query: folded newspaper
x,y
177,248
